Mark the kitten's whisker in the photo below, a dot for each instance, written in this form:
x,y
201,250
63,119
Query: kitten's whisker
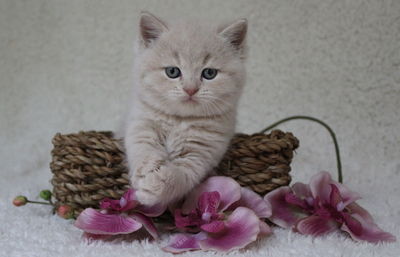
x,y
214,98
216,107
205,109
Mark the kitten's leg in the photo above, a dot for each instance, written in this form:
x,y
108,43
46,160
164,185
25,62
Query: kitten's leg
x,y
163,177
145,152
192,159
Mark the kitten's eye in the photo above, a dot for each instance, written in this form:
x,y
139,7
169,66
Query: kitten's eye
x,y
209,73
173,72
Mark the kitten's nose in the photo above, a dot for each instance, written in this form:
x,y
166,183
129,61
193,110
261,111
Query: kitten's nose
x,y
191,91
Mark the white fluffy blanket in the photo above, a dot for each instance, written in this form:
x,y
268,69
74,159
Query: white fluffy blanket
x,y
65,66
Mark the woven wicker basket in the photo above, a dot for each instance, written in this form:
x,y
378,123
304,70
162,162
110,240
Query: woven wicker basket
x,y
89,166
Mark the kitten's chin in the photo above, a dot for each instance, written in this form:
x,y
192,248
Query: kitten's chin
x,y
190,108
187,107
190,100
195,108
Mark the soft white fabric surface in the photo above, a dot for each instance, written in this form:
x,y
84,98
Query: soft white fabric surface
x,y
66,66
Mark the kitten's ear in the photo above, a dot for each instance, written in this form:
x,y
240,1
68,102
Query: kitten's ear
x,y
235,33
151,28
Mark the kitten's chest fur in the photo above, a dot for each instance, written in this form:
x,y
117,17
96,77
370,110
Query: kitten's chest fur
x,y
171,136
180,137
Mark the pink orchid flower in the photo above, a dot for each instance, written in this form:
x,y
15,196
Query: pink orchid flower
x,y
223,215
116,217
322,207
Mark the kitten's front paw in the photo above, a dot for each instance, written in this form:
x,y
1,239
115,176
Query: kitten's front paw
x,y
147,198
147,166
152,189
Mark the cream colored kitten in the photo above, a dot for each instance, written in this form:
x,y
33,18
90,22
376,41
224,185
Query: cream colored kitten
x,y
189,77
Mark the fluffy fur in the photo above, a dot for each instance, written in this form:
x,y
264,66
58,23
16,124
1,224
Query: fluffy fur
x,y
173,140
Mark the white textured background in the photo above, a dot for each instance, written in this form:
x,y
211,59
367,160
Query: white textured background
x,y
66,66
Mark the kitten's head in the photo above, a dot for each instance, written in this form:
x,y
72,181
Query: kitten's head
x,y
191,69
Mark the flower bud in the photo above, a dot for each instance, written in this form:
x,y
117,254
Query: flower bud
x,y
20,200
45,195
65,211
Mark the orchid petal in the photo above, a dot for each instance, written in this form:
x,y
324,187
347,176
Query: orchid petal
x,y
228,189
370,232
184,242
191,219
352,224
254,202
323,212
208,202
283,214
315,226
214,226
95,222
347,195
335,198
301,190
108,203
291,198
354,208
147,223
127,201
265,229
319,186
151,211
242,228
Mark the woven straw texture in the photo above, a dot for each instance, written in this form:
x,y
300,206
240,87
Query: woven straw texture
x,y
259,161
89,166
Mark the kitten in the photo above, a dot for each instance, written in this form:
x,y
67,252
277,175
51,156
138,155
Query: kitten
x,y
189,77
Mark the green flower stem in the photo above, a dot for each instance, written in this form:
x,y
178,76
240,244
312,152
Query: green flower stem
x,y
36,202
300,117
